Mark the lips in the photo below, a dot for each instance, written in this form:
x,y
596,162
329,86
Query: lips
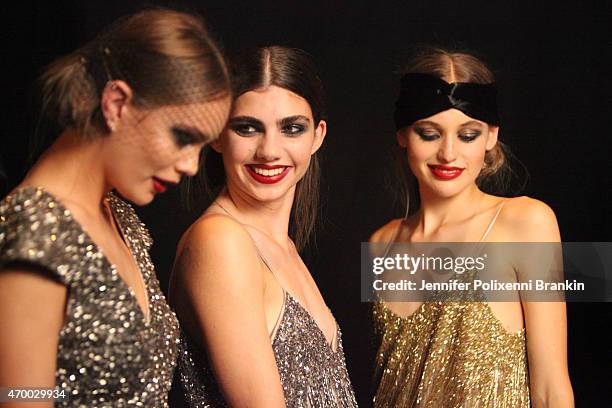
x,y
445,172
160,185
267,174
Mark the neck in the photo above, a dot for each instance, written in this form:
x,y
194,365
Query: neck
x,y
72,169
436,211
270,217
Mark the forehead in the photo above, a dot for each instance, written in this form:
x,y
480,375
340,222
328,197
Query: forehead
x,y
209,117
451,118
273,102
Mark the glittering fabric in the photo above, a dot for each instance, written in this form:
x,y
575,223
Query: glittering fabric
x,y
312,374
108,355
449,354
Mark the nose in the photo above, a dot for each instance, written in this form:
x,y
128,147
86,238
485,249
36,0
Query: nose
x,y
267,148
187,165
446,152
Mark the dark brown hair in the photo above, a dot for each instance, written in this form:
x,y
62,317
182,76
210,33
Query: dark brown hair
x,y
166,57
294,70
453,66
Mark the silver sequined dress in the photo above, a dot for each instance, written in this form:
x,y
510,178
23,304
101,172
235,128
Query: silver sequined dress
x,y
312,374
108,355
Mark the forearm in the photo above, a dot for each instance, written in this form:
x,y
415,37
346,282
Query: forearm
x,y
558,395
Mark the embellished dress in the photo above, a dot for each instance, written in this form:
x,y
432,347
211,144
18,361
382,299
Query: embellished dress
x,y
108,354
313,374
449,354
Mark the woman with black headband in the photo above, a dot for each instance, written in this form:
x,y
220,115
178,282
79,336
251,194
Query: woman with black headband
x,y
464,353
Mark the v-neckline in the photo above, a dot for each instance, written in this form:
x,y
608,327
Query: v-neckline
x,y
145,312
335,338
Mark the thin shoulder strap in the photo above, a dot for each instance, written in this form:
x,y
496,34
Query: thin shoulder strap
x,y
393,239
261,256
486,233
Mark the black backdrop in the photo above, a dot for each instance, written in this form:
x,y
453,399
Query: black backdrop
x,y
552,63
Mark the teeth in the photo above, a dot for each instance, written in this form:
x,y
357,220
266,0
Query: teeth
x,y
445,171
268,173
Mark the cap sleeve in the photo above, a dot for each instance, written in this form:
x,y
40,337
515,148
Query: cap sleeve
x,y
35,229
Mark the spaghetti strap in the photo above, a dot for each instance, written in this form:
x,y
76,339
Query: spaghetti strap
x,y
393,239
263,258
265,262
486,233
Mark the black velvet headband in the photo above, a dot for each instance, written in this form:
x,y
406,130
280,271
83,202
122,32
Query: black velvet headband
x,y
423,95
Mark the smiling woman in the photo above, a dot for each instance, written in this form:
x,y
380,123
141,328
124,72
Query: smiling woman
x,y
80,305
464,354
257,332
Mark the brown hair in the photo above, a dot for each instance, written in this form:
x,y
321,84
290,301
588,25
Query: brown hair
x,y
455,66
294,70
167,57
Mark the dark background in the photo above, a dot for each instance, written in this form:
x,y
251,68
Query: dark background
x,y
553,67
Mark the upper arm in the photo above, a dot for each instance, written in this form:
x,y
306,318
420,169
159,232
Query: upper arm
x,y
545,321
219,283
32,307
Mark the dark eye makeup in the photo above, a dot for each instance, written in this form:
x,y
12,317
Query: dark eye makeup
x,y
294,129
245,126
184,137
469,135
248,126
429,134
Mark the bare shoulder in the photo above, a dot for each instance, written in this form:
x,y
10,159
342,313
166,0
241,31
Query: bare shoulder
x,y
386,232
216,245
526,219
215,229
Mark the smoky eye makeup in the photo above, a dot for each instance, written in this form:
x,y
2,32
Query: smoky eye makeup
x,y
469,135
294,129
294,125
245,126
427,134
184,137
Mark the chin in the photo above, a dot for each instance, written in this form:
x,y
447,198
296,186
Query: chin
x,y
267,194
139,198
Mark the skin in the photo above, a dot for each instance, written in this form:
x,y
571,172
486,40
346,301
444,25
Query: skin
x,y
457,211
230,304
140,144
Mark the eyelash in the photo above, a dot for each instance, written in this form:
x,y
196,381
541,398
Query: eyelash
x,y
428,136
245,129
293,129
182,137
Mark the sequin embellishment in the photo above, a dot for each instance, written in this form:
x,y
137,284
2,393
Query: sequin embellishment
x,y
108,355
449,354
312,373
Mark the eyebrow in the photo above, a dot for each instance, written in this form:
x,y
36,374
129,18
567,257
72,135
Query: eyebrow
x,y
471,123
426,122
245,119
437,125
291,119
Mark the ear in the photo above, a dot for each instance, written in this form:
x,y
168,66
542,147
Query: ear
x,y
216,145
492,139
320,133
115,99
401,136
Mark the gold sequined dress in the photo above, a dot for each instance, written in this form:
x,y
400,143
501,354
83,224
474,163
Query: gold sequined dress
x,y
449,355
108,355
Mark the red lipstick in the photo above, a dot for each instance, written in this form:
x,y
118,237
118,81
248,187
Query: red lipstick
x,y
160,185
445,172
267,174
